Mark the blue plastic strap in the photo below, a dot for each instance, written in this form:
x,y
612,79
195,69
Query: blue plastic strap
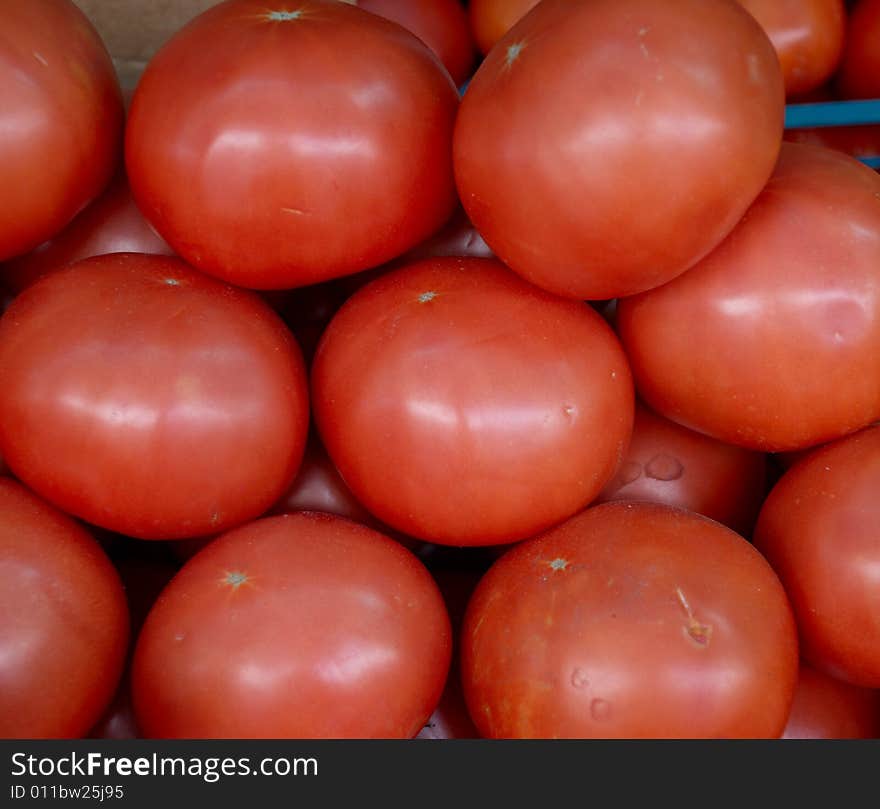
x,y
832,113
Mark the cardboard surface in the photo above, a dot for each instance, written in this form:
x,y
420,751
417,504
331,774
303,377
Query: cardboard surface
x,y
133,30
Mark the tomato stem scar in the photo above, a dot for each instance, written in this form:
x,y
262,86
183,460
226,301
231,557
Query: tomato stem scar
x,y
513,52
235,579
559,564
427,296
284,15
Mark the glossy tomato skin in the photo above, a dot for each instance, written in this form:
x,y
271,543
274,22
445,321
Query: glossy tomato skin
x,y
667,463
630,620
827,708
149,399
859,74
441,24
308,310
63,118
808,36
277,148
818,528
492,19
464,406
110,224
308,625
772,341
65,622
602,193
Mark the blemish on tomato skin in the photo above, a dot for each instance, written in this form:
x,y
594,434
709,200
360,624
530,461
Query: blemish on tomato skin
x,y
600,709
427,296
664,467
699,633
579,678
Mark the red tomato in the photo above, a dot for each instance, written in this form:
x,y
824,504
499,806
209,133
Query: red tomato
x,y
859,74
62,120
111,224
589,143
297,626
492,19
818,528
65,625
630,620
464,406
667,463
145,397
808,36
441,24
825,708
772,341
277,148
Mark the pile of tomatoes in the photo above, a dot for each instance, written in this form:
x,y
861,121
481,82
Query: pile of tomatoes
x,y
336,401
